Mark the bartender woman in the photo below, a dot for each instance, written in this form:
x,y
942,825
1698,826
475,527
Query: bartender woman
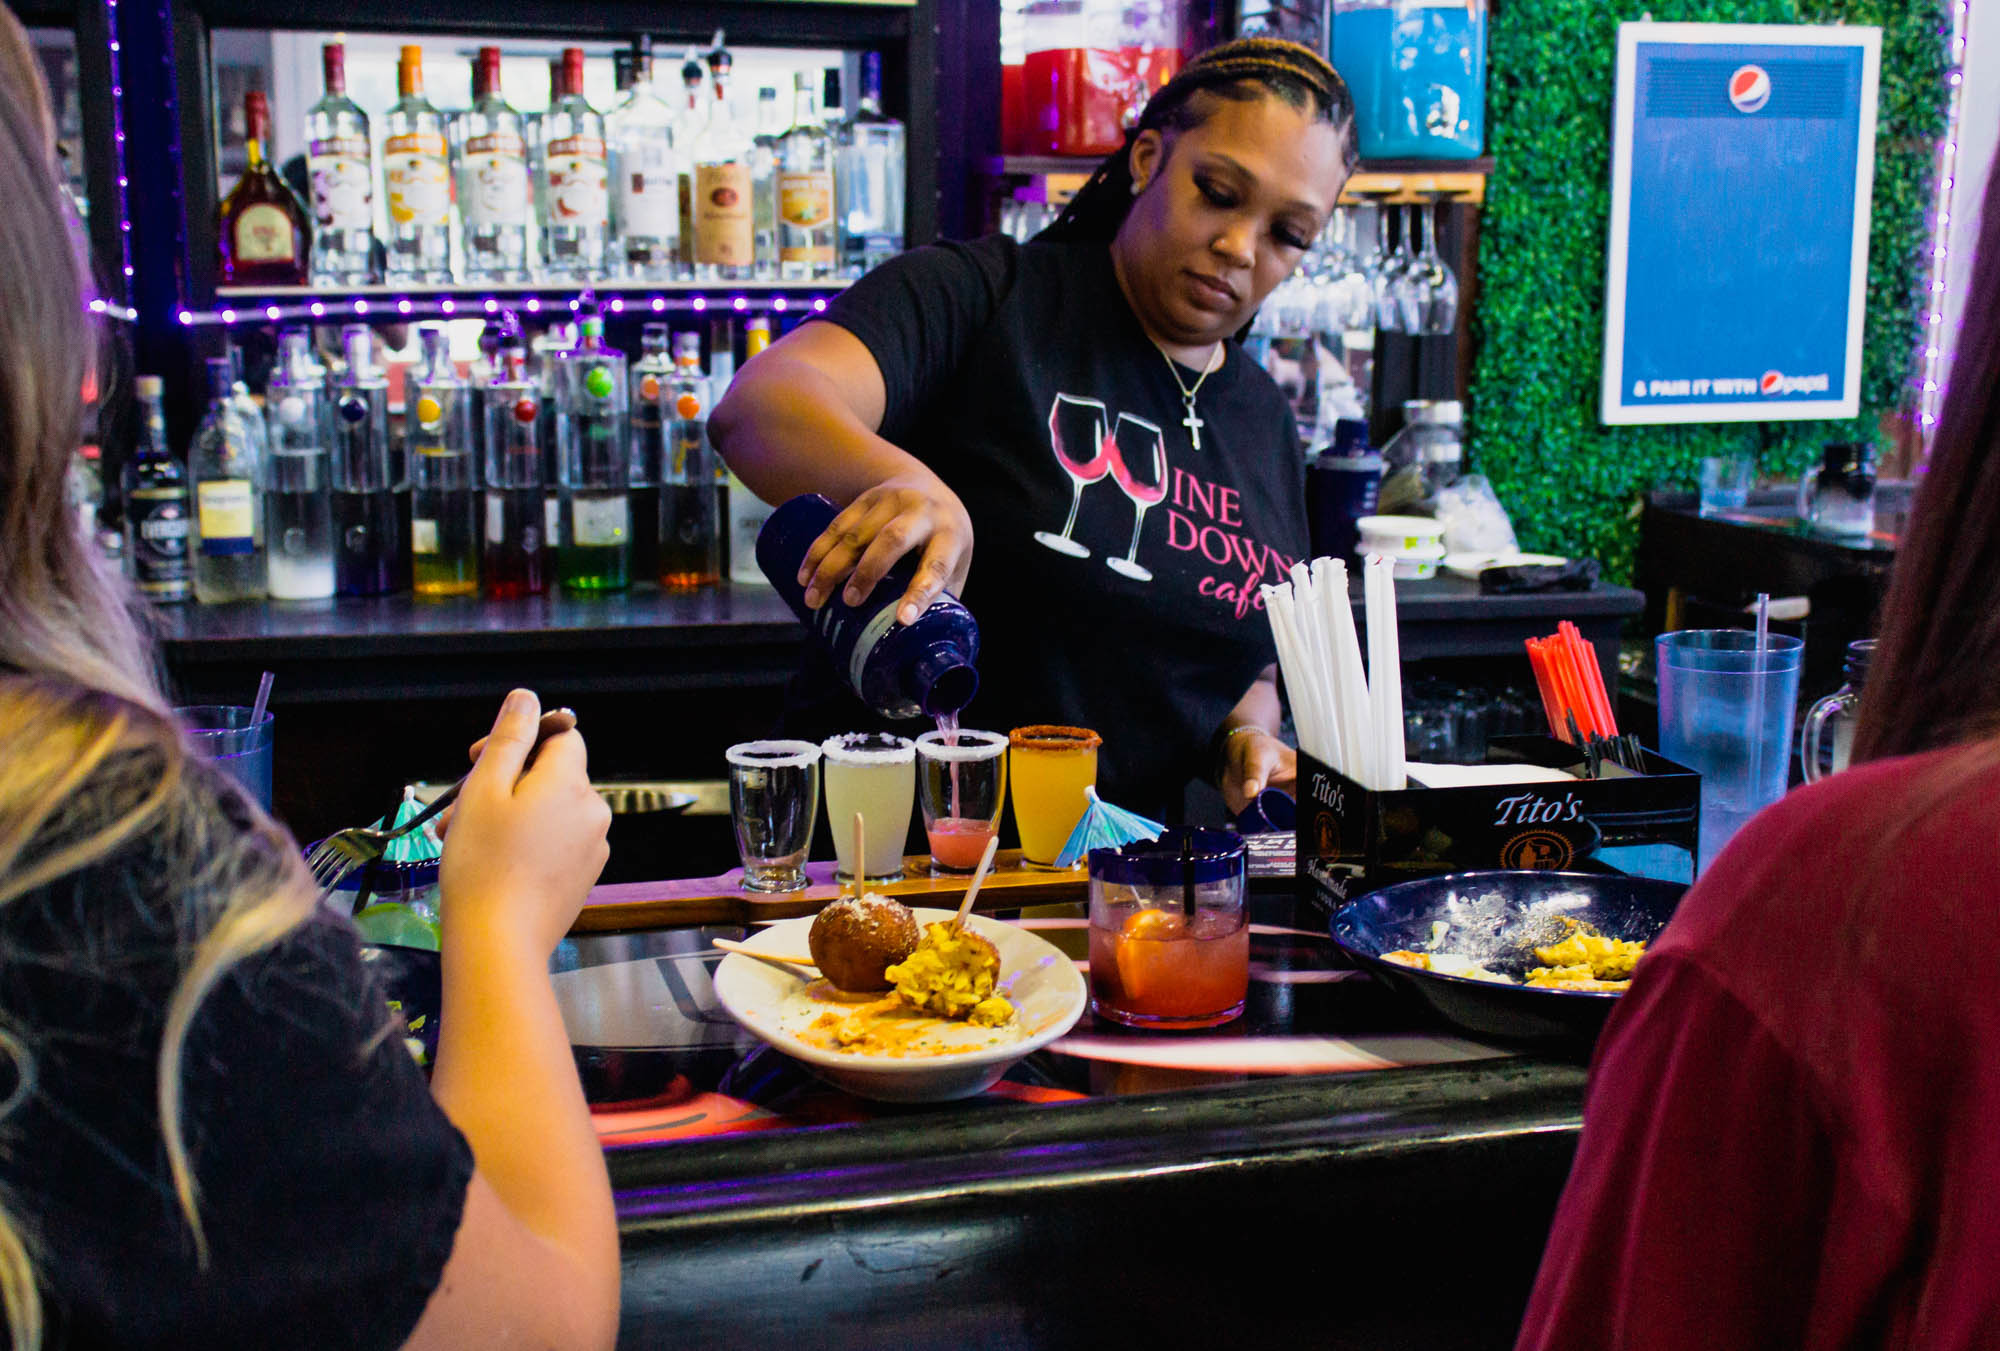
x,y
1078,407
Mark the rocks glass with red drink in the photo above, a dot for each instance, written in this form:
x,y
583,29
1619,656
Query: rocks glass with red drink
x,y
963,780
1169,938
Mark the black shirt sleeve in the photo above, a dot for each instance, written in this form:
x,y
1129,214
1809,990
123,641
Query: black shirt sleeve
x,y
920,313
331,1185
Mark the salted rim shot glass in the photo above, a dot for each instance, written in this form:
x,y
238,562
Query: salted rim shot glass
x,y
962,784
773,804
1169,935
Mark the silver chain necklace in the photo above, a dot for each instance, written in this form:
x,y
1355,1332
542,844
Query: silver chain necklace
x,y
1192,421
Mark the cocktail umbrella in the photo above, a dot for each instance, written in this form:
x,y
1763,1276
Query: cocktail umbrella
x,y
1104,826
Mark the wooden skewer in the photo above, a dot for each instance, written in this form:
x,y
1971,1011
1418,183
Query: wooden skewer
x,y
860,854
773,958
978,877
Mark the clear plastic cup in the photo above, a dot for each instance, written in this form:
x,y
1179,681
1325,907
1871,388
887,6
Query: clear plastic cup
x,y
1726,710
226,734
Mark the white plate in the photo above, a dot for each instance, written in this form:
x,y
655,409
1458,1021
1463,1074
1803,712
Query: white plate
x,y
1469,566
1046,989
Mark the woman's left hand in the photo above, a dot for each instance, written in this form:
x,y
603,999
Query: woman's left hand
x,y
1252,762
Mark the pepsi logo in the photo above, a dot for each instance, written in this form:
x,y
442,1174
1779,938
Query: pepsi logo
x,y
1771,382
1749,90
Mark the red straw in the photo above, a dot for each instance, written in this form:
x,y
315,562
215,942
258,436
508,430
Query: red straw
x,y
1543,662
1592,679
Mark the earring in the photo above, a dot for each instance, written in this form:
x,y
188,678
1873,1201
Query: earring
x,y
1137,187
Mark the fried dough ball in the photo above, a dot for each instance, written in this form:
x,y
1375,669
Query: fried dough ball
x,y
855,940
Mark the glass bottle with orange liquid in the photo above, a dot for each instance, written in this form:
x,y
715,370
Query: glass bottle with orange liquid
x,y
1050,767
675,399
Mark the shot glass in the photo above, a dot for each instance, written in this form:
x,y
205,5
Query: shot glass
x,y
963,782
226,735
1050,767
872,773
1169,945
773,802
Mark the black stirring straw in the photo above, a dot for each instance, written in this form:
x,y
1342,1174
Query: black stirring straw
x,y
1187,877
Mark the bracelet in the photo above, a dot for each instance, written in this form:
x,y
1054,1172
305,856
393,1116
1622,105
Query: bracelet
x,y
1219,748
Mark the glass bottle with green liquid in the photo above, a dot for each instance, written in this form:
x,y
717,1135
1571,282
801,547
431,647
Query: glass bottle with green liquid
x,y
593,466
444,479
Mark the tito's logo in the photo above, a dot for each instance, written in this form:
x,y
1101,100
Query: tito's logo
x,y
1749,89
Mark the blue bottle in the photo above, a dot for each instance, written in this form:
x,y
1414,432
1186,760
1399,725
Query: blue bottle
x,y
1342,486
900,671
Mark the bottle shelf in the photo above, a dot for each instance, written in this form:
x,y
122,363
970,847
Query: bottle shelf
x,y
1396,182
389,303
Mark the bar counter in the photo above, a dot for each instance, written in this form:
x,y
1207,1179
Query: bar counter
x,y
1335,1168
392,689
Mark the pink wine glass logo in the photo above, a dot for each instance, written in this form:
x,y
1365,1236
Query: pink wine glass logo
x,y
1142,437
1077,425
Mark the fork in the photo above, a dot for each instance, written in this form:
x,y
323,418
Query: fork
x,y
342,852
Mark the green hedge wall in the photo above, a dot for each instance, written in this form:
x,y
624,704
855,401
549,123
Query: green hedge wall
x,y
1572,484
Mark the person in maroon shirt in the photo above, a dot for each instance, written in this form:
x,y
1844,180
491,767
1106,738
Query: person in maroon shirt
x,y
1792,1132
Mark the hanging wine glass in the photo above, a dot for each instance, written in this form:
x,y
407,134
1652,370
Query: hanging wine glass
x,y
1408,290
1380,266
1440,284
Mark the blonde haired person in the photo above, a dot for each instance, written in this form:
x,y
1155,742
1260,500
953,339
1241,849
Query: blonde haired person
x,y
209,1134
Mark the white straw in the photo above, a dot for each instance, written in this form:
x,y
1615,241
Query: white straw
x,y
1355,697
1385,669
1305,614
1311,688
1293,664
1329,581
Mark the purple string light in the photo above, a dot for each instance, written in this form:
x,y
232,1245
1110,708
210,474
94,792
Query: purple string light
x,y
245,303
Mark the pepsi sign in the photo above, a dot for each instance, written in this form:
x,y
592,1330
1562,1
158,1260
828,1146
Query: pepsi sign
x,y
1749,89
1742,164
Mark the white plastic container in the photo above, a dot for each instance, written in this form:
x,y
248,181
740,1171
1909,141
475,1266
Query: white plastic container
x,y
1400,534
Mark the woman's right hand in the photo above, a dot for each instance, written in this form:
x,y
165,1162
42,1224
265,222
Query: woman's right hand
x,y
524,848
880,526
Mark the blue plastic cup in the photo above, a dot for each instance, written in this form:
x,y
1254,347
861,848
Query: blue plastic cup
x,y
226,734
1726,708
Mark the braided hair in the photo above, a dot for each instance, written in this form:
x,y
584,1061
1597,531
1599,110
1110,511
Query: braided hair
x,y
1239,71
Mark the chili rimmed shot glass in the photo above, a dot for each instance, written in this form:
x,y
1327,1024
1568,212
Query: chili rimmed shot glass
x,y
962,778
773,803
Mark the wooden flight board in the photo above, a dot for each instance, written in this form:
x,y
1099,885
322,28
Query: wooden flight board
x,y
622,907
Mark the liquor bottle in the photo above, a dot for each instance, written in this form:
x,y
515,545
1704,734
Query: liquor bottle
x,y
593,466
533,124
650,420
228,519
156,504
764,183
899,670
340,162
723,242
298,511
806,229
689,118
490,148
747,512
647,200
417,171
266,235
515,560
690,490
872,170
444,496
369,555
575,181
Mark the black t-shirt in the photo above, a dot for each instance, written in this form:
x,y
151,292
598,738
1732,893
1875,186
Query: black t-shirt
x,y
1115,563
330,1184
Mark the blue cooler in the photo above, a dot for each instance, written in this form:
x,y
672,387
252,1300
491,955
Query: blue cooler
x,y
1417,69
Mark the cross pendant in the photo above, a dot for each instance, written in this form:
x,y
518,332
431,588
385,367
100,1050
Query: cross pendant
x,y
1193,423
